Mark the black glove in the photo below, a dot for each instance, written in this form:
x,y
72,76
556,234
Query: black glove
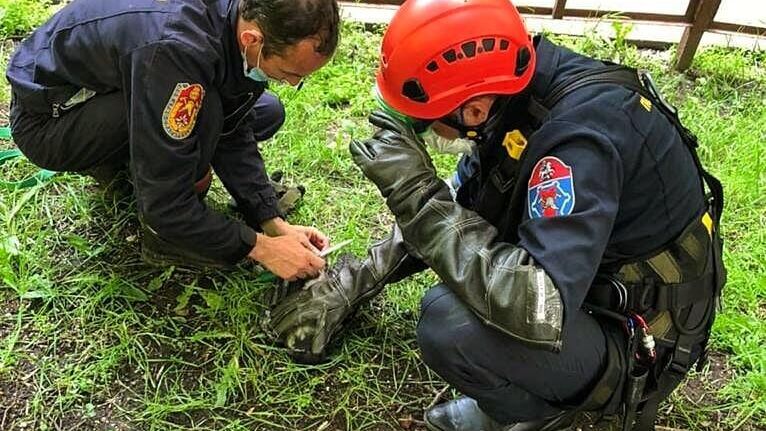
x,y
500,282
307,320
398,163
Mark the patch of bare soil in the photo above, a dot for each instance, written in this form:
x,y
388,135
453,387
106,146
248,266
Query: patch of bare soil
x,y
15,395
700,391
15,390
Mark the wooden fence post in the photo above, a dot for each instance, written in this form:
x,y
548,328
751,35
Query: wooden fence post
x,y
691,9
558,9
703,17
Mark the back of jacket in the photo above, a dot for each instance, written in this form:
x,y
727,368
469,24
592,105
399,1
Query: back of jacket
x,y
605,178
179,67
90,44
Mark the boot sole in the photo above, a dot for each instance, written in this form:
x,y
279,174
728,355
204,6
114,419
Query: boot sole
x,y
163,260
431,426
566,425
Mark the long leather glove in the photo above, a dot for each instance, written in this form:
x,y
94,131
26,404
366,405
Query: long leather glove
x,y
498,281
307,320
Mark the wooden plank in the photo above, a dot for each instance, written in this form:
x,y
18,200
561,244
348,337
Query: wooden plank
x,y
558,9
535,10
691,9
645,34
703,17
577,13
637,16
738,28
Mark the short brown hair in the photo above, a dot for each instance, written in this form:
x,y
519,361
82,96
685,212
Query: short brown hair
x,y
287,22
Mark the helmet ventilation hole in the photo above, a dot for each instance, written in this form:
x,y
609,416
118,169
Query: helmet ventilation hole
x,y
450,56
522,60
414,91
469,49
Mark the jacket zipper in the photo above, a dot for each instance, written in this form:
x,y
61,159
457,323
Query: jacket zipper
x,y
236,111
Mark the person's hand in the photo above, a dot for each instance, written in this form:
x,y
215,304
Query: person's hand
x,y
310,236
315,237
287,256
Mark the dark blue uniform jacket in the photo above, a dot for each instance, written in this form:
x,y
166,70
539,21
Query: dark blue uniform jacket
x,y
605,178
147,49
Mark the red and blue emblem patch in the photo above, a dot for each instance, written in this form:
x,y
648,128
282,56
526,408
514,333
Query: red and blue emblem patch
x,y
551,189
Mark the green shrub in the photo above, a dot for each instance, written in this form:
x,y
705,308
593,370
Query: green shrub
x,y
730,66
19,17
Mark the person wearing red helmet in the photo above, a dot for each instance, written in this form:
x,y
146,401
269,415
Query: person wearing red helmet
x,y
579,258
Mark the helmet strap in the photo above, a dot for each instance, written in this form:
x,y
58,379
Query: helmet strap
x,y
479,133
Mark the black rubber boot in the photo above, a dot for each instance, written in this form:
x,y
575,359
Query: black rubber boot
x,y
156,251
288,196
290,199
464,414
113,179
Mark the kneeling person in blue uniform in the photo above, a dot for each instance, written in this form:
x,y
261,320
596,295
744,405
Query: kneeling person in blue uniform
x,y
176,90
579,258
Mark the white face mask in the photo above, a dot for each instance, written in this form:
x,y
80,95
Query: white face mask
x,y
256,73
444,145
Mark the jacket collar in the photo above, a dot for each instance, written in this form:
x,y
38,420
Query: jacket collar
x,y
546,65
236,81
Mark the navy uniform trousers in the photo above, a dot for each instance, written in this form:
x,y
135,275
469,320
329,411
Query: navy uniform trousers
x,y
95,133
510,382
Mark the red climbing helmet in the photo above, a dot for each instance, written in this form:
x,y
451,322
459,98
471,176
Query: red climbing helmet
x,y
437,54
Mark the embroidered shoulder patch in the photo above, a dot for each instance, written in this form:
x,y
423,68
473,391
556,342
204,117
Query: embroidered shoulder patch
x,y
181,111
550,190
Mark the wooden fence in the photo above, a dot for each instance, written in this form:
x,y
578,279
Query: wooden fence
x,y
698,18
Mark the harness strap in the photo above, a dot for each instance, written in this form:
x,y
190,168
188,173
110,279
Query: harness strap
x,y
666,296
537,110
504,176
641,83
670,378
649,295
667,383
39,177
680,295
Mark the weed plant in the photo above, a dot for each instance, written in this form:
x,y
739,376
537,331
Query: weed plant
x,y
19,17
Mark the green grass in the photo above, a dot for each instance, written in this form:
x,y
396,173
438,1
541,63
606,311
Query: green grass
x,y
90,338
19,17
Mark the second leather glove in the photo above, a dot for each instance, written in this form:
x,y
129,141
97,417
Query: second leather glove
x,y
307,320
